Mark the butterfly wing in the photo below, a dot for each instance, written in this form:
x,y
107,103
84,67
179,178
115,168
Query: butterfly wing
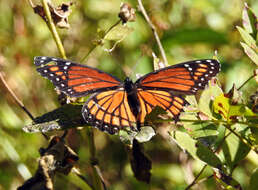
x,y
183,78
164,87
169,102
74,79
109,111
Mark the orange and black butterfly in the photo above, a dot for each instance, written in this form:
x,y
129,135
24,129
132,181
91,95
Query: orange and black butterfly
x,y
114,104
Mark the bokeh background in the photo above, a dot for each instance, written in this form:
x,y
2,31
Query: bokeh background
x,y
188,30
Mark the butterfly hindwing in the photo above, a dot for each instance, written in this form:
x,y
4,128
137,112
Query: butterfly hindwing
x,y
184,78
109,111
169,102
74,79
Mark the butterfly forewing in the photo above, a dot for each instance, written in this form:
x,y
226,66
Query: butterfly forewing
x,y
74,79
187,77
109,111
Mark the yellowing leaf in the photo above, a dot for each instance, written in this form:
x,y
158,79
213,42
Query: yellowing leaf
x,y
229,112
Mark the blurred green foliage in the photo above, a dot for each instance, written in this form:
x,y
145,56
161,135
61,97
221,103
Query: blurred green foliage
x,y
188,30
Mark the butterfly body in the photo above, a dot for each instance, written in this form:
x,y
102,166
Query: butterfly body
x,y
115,105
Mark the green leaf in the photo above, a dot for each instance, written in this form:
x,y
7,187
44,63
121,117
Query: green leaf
x,y
196,149
250,53
246,20
118,33
203,130
253,180
207,97
249,20
229,112
233,149
247,38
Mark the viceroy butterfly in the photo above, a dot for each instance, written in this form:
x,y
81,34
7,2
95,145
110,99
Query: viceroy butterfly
x,y
116,104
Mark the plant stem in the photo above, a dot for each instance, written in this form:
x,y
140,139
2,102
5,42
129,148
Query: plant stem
x,y
205,121
95,46
19,102
154,32
53,30
246,82
97,182
196,178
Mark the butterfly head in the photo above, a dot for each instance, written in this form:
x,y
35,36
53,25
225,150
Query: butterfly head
x,y
128,84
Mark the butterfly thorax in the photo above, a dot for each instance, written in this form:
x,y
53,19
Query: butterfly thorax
x,y
133,101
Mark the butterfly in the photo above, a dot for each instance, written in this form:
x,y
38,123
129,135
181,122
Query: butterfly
x,y
114,104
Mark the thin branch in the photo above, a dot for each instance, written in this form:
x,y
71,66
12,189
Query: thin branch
x,y
95,46
196,178
53,30
154,32
246,81
19,102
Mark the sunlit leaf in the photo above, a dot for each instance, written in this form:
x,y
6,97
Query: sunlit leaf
x,y
250,53
222,106
247,38
249,20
